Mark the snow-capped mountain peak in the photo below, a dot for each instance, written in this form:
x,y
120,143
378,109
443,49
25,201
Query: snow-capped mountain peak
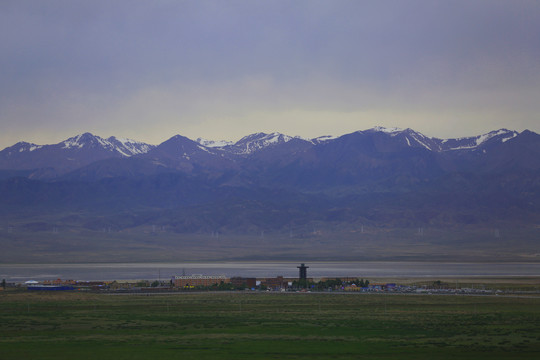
x,y
503,134
125,147
471,143
407,137
24,146
254,142
79,141
129,147
415,139
390,130
21,147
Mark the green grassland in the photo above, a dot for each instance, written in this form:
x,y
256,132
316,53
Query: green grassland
x,y
266,326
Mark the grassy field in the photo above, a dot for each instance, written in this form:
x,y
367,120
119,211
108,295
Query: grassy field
x,y
266,326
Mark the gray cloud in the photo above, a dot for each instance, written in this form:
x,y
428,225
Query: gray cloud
x,y
219,69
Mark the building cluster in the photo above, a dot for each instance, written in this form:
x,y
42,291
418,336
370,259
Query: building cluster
x,y
214,282
237,282
278,283
197,280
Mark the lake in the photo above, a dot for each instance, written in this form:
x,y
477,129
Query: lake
x,y
165,271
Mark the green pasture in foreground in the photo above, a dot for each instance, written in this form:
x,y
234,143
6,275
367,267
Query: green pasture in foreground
x,y
267,326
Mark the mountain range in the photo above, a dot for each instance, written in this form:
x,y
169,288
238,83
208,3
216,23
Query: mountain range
x,y
181,153
384,177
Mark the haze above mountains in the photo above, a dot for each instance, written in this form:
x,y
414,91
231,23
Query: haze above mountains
x,y
275,184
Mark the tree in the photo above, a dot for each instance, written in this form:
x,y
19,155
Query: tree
x,y
142,283
4,284
363,283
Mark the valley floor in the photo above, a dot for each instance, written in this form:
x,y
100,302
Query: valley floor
x,y
467,244
263,326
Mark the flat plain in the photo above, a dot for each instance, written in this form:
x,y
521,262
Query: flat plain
x,y
76,245
253,325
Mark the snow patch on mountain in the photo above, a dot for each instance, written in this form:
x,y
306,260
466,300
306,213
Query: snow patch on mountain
x,y
24,146
204,149
420,139
514,134
483,138
214,144
408,141
322,139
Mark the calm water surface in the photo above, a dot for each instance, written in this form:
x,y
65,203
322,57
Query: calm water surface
x,y
164,271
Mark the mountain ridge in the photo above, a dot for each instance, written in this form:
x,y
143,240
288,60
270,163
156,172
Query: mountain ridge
x,y
83,149
79,140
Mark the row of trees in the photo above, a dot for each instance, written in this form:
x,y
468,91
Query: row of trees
x,y
222,286
332,284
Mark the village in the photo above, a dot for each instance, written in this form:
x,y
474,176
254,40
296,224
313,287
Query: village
x,y
302,283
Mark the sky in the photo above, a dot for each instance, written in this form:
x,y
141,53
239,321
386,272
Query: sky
x,y
220,70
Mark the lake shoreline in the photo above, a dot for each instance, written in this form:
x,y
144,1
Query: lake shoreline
x,y
263,269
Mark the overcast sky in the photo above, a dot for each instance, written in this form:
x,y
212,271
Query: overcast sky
x,y
222,69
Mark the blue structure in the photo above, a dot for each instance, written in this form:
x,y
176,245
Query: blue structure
x,y
50,288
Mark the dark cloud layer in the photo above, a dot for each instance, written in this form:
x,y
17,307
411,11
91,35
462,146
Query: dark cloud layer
x,y
224,68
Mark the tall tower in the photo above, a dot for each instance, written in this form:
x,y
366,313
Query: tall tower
x,y
303,272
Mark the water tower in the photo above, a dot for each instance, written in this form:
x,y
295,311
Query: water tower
x,y
303,272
